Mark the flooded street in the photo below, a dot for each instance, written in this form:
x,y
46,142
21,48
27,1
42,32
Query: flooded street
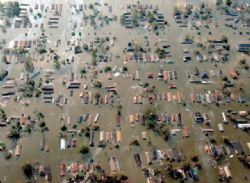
x,y
69,114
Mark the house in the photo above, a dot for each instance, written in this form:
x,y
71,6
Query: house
x,y
243,125
243,47
234,74
23,120
187,57
160,19
204,75
198,117
225,171
246,23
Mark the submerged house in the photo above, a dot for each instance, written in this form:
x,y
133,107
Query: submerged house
x,y
243,47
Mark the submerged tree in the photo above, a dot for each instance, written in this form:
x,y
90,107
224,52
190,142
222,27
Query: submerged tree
x,y
149,112
13,9
219,2
28,170
84,149
28,64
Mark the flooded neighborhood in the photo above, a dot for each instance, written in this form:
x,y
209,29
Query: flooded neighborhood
x,y
116,91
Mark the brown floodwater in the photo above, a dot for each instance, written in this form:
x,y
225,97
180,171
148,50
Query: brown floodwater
x,y
11,169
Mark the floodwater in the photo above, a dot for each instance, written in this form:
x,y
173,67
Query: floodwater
x,y
11,169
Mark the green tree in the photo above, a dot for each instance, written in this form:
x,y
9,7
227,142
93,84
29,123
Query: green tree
x,y
149,112
64,128
229,2
3,73
124,69
107,69
4,59
27,170
83,71
122,19
85,47
218,2
28,64
13,9
57,64
84,149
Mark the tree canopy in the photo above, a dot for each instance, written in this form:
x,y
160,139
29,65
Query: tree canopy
x,y
13,9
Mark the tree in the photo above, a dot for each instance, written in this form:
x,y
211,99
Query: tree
x,y
39,15
149,112
107,69
40,115
3,74
97,95
134,142
119,109
42,124
176,11
57,64
195,158
13,9
83,71
229,2
7,23
28,64
63,128
124,69
150,17
218,2
84,149
4,59
155,26
224,39
28,170
98,84
85,47
94,61
165,132
146,85
122,19
14,134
